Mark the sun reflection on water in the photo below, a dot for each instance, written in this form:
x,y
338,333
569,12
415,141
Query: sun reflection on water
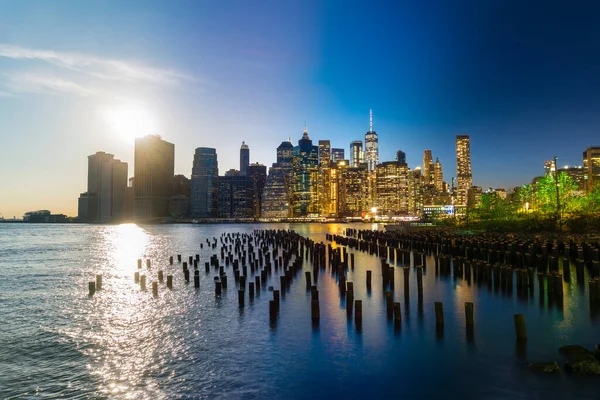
x,y
128,243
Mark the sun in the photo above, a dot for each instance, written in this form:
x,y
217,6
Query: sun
x,y
129,120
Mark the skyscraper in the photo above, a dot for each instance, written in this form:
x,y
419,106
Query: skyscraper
x,y
244,158
392,184
258,173
337,154
106,197
304,195
205,172
154,166
464,179
352,190
427,166
236,197
324,152
371,145
438,177
401,157
276,194
591,166
356,153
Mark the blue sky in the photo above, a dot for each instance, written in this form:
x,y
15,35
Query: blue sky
x,y
522,78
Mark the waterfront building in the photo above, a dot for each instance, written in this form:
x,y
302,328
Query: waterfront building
x,y
258,173
106,196
337,155
179,203
204,187
356,153
236,197
44,216
244,158
304,188
401,157
464,179
591,165
371,145
352,191
276,193
392,184
154,166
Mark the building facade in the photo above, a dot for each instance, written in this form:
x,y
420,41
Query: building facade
x,y
236,197
304,194
356,153
337,154
204,186
401,157
371,145
464,178
276,194
427,166
591,165
258,173
392,185
153,172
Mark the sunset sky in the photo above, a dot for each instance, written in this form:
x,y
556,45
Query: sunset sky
x,y
77,77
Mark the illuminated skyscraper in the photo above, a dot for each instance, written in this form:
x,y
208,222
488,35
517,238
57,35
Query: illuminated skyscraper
x,y
337,155
415,192
392,183
427,166
258,172
356,153
154,168
371,145
352,189
236,197
204,192
401,157
276,194
324,152
464,179
591,166
438,178
244,158
304,194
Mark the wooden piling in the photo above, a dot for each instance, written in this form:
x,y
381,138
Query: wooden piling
x,y
143,282
520,327
397,312
389,302
241,297
155,289
92,288
160,276
136,277
272,309
358,311
218,287
439,314
170,281
469,313
98,282
315,311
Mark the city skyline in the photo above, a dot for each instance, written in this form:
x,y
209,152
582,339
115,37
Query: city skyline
x,y
65,95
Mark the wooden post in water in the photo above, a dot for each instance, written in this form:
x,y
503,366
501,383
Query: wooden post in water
x,y
171,260
389,302
98,282
196,279
397,314
469,314
315,311
218,287
143,282
155,289
520,327
136,277
241,297
160,276
358,311
439,315
92,288
251,290
369,279
170,281
147,263
308,279
272,309
139,261
276,297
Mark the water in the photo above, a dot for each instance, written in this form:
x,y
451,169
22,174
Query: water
x,y
56,342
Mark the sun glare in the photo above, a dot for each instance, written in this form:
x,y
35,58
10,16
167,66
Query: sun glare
x,y
129,121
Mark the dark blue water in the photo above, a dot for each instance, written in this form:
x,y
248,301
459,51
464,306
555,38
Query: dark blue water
x,y
56,342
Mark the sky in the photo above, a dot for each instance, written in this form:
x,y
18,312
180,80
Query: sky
x,y
77,77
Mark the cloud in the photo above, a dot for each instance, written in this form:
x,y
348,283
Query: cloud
x,y
33,83
101,68
5,94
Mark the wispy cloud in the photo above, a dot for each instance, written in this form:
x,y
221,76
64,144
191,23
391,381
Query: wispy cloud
x,y
34,83
5,94
102,68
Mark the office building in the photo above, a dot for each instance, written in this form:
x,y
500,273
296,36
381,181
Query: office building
x,y
591,165
154,168
438,177
204,188
371,145
427,167
244,158
236,197
352,191
324,152
276,193
392,184
464,179
401,157
337,155
258,173
356,153
304,189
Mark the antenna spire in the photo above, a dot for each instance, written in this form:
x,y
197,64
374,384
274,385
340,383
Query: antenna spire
x,y
370,120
